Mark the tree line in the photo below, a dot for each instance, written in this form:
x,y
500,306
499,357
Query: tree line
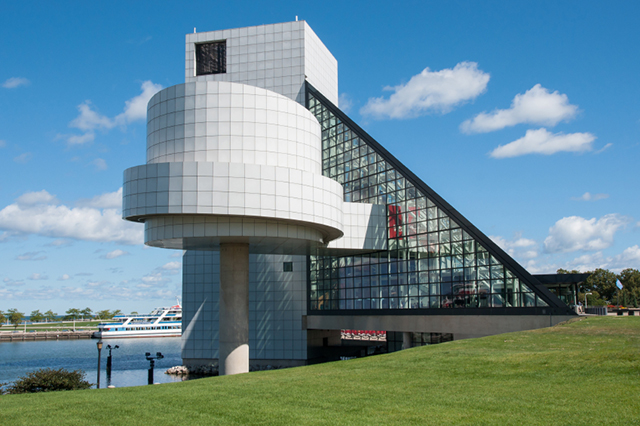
x,y
16,317
601,289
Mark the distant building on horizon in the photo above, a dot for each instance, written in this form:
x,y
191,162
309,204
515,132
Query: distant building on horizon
x,y
318,226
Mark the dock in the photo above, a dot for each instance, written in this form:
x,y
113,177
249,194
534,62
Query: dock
x,y
21,336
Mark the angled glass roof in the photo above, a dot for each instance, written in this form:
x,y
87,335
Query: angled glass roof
x,y
437,262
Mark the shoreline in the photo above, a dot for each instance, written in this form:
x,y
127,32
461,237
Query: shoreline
x,y
29,336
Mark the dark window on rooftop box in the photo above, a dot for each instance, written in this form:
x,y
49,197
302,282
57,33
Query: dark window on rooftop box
x,y
211,58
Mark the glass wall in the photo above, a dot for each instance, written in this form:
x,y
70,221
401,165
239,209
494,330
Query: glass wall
x,y
431,262
395,339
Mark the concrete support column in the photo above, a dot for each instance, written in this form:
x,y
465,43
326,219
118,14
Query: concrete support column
x,y
234,308
407,338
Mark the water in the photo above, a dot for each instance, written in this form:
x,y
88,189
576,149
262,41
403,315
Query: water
x,y
129,365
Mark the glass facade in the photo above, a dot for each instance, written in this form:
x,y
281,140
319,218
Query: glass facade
x,y
395,339
432,262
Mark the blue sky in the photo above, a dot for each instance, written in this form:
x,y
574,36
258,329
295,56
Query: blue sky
x,y
523,115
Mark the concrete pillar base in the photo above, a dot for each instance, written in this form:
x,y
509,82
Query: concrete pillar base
x,y
234,309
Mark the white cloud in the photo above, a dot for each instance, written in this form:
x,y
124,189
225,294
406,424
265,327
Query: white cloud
x,y
12,283
587,262
64,277
518,247
136,107
3,143
89,120
60,243
81,139
37,197
587,196
14,82
23,158
577,233
429,91
604,148
535,106
160,277
154,278
115,253
629,258
36,277
31,255
100,164
39,213
90,290
96,283
543,142
109,200
172,265
345,103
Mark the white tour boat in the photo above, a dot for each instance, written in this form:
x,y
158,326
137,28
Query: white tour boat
x,y
162,322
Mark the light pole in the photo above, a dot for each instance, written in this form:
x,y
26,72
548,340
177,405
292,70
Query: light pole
x,y
109,358
151,360
99,345
109,363
585,301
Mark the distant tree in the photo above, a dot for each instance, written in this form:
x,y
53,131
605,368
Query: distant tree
x,y
604,282
134,313
72,314
630,280
50,315
630,297
104,314
48,380
107,314
2,318
15,317
564,271
593,298
36,316
86,313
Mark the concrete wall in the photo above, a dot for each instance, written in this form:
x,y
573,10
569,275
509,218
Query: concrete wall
x,y
462,326
277,304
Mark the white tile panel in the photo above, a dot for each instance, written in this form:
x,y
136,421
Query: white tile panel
x,y
276,57
278,133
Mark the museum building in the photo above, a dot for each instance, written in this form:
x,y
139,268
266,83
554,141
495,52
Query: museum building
x,y
296,224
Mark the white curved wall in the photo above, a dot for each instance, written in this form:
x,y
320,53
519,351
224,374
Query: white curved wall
x,y
221,153
217,121
244,190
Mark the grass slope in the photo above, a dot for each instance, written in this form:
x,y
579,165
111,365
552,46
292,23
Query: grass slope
x,y
585,372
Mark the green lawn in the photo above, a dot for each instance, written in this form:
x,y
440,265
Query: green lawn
x,y
586,372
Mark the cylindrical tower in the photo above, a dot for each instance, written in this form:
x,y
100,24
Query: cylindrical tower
x,y
234,168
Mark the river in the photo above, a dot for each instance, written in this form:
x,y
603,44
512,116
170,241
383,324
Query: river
x,y
129,365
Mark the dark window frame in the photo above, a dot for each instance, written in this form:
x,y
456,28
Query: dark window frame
x,y
211,57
